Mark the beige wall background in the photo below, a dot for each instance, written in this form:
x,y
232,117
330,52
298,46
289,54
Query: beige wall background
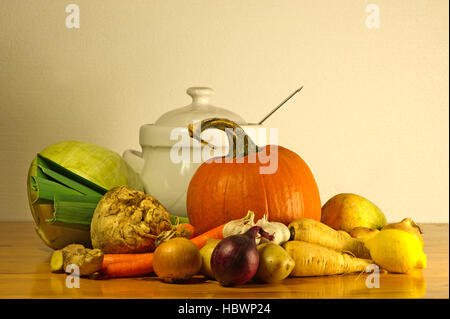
x,y
372,118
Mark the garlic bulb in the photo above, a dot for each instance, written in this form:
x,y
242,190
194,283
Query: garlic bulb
x,y
279,231
240,226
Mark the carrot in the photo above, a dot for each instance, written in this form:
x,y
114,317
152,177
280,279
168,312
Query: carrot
x,y
215,233
128,265
312,231
187,230
315,260
120,258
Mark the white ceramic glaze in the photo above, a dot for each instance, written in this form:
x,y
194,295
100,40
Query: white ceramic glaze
x,y
164,173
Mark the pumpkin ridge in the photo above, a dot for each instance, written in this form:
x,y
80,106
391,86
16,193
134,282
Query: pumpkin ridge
x,y
214,181
245,187
268,185
196,203
298,191
266,209
305,176
226,212
207,191
282,162
315,200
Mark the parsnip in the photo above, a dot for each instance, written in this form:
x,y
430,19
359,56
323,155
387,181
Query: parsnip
x,y
315,260
312,231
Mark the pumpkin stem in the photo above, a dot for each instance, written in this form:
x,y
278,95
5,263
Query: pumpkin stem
x,y
239,142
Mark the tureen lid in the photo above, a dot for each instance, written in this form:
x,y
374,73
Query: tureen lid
x,y
198,110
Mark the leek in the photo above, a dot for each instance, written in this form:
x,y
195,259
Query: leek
x,y
73,210
74,198
73,176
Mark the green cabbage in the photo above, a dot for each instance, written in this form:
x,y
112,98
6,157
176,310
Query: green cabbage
x,y
94,163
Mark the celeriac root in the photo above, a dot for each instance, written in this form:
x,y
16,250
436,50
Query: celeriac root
x,y
128,221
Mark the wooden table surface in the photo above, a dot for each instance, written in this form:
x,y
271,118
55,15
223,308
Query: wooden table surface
x,y
25,273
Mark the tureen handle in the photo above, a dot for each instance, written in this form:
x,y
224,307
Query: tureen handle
x,y
134,159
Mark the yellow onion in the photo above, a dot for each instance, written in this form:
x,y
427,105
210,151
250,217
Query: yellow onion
x,y
176,260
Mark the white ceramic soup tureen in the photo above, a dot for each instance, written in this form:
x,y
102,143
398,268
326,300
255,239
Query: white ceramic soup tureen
x,y
169,157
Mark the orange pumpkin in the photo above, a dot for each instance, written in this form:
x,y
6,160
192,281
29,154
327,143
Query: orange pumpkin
x,y
221,191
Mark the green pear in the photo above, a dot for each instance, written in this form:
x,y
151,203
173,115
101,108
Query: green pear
x,y
347,211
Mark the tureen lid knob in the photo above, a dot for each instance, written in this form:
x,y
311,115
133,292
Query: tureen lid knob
x,y
200,95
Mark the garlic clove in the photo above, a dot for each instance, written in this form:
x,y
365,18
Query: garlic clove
x,y
280,231
239,226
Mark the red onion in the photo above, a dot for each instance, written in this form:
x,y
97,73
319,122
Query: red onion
x,y
235,259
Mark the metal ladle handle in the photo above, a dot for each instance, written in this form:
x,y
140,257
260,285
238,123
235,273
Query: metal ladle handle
x,y
280,105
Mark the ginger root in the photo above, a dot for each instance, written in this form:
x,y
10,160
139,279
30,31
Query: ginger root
x,y
88,260
128,221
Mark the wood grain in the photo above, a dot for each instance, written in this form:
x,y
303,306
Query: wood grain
x,y
24,273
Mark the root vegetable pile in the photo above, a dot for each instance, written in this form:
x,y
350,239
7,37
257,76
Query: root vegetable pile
x,y
133,235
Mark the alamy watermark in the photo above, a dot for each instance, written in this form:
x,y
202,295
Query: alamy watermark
x,y
73,19
73,279
373,18
373,280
